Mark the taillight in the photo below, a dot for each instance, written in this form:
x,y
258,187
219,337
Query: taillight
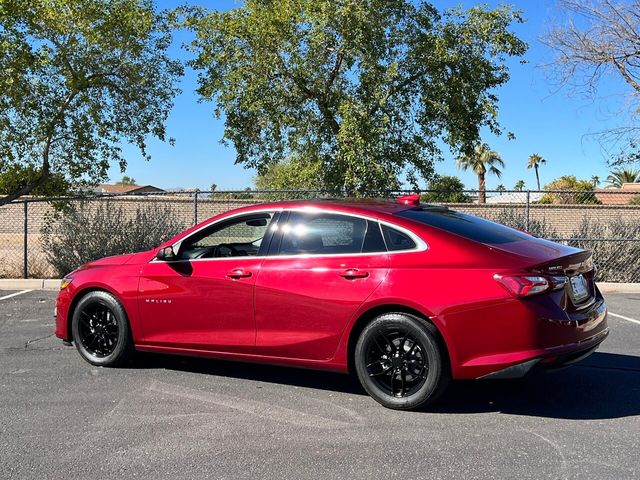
x,y
523,285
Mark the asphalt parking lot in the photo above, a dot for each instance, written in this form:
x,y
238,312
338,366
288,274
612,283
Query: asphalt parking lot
x,y
173,417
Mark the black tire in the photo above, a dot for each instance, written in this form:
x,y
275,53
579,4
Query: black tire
x,y
401,362
100,329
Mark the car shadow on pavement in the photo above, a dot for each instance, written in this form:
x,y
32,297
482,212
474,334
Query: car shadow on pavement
x,y
335,382
605,385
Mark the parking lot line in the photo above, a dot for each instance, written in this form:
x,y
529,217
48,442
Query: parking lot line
x,y
632,320
15,294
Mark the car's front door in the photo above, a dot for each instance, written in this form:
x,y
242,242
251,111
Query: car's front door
x,y
321,268
204,300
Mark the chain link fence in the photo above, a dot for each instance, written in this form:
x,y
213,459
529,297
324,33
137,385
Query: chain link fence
x,y
46,238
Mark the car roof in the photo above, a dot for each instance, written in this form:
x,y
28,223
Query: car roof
x,y
377,206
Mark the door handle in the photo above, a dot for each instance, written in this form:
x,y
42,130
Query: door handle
x,y
352,273
238,273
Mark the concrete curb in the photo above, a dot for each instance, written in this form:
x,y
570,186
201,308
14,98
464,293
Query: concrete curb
x,y
54,284
610,287
29,284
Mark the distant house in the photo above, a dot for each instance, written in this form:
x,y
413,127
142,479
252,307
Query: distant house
x,y
618,196
121,189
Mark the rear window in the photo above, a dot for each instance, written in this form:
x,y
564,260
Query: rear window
x,y
467,226
396,240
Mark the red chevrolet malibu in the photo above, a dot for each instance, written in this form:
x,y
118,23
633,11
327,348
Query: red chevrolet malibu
x,y
407,296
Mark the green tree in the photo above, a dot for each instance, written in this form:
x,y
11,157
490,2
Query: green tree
x,y
213,187
15,177
595,180
501,188
623,175
80,77
483,160
126,181
519,186
561,191
534,162
361,90
290,175
446,189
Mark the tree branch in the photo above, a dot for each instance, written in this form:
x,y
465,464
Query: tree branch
x,y
45,171
320,99
43,177
625,74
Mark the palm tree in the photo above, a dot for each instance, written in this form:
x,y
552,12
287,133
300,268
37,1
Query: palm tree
x,y
534,162
501,188
595,179
482,160
623,175
519,185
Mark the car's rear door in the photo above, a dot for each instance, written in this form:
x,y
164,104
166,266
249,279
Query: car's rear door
x,y
321,267
204,301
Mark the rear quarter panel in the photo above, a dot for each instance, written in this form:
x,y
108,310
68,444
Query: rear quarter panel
x,y
452,284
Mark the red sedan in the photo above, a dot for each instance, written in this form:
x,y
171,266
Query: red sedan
x,y
405,295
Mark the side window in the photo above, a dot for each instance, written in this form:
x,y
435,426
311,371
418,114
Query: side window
x,y
397,240
239,237
322,234
373,241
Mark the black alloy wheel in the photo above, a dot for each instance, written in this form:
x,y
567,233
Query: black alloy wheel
x,y
400,361
101,330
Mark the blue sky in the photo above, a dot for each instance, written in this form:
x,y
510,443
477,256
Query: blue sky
x,y
556,125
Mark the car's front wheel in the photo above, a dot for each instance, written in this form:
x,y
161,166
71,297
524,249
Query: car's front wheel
x,y
401,362
101,330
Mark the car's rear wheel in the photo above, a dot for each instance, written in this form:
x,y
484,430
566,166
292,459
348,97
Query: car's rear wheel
x,y
101,330
401,362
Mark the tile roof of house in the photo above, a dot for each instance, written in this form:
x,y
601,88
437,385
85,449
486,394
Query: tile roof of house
x,y
618,196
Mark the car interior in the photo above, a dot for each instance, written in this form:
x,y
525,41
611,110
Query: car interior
x,y
233,239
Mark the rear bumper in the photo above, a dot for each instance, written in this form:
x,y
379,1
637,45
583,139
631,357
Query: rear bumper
x,y
522,335
555,358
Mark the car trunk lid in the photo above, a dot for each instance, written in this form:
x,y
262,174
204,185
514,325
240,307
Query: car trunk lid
x,y
571,269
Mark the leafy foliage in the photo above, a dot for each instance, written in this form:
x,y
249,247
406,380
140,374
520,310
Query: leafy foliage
x,y
126,181
623,175
615,247
359,90
481,161
534,162
89,230
446,189
290,175
583,188
78,78
15,177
